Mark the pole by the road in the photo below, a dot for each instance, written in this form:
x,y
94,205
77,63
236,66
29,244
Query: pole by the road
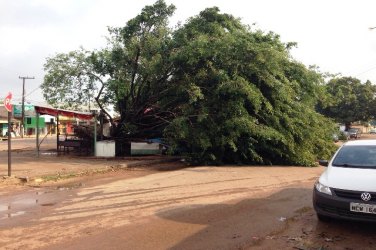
x,y
23,103
9,145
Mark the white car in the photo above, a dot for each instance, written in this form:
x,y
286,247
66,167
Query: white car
x,y
347,188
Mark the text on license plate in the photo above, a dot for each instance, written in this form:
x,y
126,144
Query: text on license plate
x,y
362,208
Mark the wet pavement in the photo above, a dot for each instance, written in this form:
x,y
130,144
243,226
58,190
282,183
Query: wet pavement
x,y
32,203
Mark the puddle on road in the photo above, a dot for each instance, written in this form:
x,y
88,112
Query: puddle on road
x,y
16,208
48,153
33,201
4,208
25,202
70,187
12,215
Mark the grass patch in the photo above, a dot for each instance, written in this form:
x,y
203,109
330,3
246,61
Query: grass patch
x,y
59,176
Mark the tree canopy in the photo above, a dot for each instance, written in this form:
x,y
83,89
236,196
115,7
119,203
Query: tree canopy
x,y
216,90
348,100
131,73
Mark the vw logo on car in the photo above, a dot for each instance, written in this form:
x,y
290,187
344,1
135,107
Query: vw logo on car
x,y
366,196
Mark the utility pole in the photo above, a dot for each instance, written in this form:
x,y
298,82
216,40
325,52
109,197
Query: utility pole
x,y
23,103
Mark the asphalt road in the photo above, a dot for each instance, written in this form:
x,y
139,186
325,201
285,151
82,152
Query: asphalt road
x,y
46,143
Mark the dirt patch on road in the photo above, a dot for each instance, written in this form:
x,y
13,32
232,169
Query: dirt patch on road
x,y
305,232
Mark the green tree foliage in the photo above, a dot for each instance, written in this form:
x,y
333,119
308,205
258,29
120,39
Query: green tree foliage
x,y
140,67
68,73
242,98
130,74
73,81
349,100
218,91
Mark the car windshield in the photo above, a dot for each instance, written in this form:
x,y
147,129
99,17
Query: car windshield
x,y
356,157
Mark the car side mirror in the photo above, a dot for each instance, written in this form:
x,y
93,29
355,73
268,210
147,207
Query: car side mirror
x,y
324,163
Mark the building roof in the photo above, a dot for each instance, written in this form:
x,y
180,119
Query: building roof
x,y
4,115
51,111
68,113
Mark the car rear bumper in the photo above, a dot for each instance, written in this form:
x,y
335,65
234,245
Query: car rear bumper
x,y
337,207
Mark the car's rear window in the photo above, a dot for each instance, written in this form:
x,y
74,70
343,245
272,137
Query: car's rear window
x,y
356,157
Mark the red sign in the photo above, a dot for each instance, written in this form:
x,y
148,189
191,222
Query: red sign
x,y
7,104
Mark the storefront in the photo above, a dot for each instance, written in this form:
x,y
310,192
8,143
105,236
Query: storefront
x,y
15,124
65,121
31,125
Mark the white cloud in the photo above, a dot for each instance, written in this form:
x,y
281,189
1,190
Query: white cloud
x,y
331,34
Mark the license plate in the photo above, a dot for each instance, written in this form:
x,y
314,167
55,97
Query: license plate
x,y
362,208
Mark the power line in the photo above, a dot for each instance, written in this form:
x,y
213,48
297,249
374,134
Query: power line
x,y
33,91
370,69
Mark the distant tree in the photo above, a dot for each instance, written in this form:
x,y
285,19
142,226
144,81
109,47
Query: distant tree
x,y
67,73
349,100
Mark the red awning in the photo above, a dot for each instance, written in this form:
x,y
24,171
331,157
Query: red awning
x,y
62,112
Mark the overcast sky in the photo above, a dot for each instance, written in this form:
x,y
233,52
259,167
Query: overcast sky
x,y
332,34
